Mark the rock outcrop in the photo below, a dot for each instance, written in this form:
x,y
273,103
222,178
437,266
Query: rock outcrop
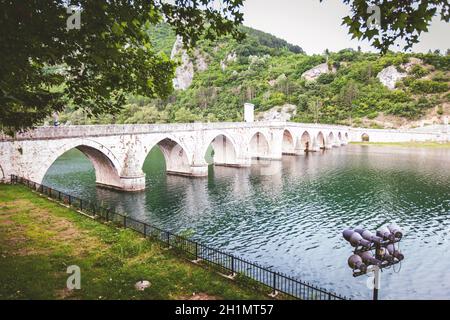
x,y
184,74
231,57
313,73
278,113
389,77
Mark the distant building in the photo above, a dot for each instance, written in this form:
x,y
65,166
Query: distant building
x,y
249,112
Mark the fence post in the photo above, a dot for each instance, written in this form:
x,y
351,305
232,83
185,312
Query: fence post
x,y
70,200
81,205
196,250
232,266
124,221
168,239
274,284
145,230
107,214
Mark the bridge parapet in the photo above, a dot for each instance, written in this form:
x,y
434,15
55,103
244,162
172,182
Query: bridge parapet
x,y
70,131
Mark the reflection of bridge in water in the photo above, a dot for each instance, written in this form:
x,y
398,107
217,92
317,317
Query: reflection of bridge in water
x,y
118,152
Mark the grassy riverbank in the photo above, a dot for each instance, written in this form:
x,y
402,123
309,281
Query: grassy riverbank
x,y
39,239
429,144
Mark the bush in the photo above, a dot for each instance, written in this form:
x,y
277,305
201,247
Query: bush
x,y
428,86
436,60
417,71
185,115
447,97
440,77
357,122
276,99
372,115
325,78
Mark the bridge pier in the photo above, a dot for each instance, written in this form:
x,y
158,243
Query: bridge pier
x,y
300,148
133,183
125,184
238,163
191,171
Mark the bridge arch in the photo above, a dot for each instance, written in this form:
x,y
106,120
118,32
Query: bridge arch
x,y
175,156
259,146
340,138
305,141
107,167
225,150
320,140
365,137
331,139
288,143
2,174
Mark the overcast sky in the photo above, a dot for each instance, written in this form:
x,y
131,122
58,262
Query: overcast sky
x,y
316,26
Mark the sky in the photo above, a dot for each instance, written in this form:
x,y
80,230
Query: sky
x,y
316,26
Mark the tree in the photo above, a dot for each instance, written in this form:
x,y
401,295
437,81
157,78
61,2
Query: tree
x,y
348,95
314,106
399,20
46,66
184,115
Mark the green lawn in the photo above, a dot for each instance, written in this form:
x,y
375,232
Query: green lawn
x,y
429,144
39,239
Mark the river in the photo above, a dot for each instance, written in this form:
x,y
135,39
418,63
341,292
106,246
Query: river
x,y
292,219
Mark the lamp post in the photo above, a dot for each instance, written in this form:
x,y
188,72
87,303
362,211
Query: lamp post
x,y
374,252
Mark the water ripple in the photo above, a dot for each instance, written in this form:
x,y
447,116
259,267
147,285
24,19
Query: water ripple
x,y
293,220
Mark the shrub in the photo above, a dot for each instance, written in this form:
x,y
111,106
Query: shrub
x,y
325,78
428,86
276,99
440,77
372,115
417,71
357,122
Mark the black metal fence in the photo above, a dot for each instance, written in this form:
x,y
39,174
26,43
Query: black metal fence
x,y
225,263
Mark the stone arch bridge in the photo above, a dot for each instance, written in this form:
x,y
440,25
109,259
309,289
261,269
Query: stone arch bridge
x,y
118,152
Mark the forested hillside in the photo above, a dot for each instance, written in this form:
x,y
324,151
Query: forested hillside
x,y
271,73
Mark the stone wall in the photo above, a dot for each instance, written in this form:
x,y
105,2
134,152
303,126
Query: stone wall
x,y
383,135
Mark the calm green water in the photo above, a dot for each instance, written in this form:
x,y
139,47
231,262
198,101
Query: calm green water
x,y
292,220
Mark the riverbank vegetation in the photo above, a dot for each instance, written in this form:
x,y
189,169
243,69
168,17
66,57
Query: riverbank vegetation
x,y
267,71
39,239
118,57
